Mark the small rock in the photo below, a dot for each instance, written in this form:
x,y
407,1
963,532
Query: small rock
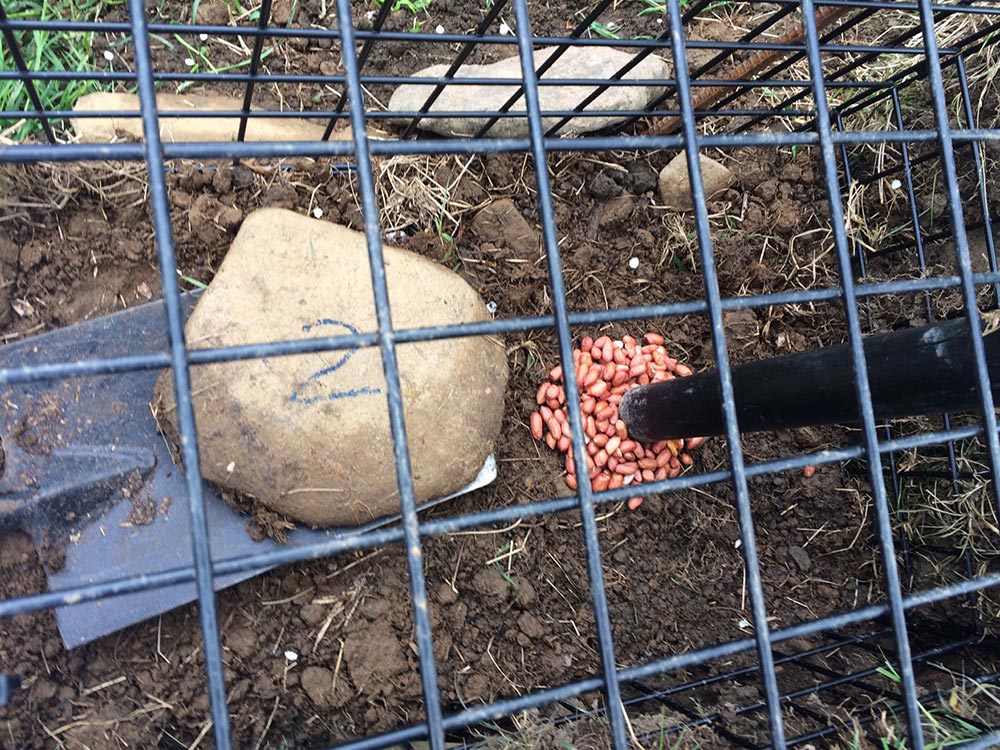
x,y
502,224
675,186
801,558
576,62
446,594
318,685
291,424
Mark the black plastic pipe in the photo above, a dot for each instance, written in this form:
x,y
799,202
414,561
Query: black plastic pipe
x,y
926,370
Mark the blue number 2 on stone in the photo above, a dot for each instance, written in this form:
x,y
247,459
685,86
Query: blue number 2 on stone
x,y
314,380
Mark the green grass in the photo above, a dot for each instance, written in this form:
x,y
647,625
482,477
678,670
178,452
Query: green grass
x,y
49,51
414,6
943,726
607,30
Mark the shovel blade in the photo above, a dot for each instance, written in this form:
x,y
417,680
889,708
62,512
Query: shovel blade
x,y
86,469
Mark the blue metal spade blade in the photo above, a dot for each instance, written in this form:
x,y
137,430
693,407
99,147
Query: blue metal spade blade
x,y
86,469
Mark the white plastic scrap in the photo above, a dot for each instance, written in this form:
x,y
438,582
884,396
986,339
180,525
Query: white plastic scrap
x,y
291,656
633,263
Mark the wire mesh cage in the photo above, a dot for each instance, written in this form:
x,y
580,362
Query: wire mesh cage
x,y
743,180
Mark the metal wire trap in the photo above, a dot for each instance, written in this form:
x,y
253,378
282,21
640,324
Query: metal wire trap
x,y
830,586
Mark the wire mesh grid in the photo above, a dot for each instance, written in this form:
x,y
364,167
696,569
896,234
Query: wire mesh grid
x,y
788,82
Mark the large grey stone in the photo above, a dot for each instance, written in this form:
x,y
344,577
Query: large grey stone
x,y
576,62
675,185
308,435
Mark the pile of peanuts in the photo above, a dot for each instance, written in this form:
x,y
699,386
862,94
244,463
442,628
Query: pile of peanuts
x,y
605,369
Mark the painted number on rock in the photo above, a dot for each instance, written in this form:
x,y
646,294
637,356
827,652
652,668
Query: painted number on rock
x,y
311,390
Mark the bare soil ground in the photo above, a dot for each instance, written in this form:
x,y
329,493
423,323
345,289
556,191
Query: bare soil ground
x,y
510,606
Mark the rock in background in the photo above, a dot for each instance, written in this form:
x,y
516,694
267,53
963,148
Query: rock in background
x,y
576,62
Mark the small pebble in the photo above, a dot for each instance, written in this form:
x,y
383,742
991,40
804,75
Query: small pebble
x,y
318,212
439,29
633,263
189,61
109,55
504,29
291,656
896,184
203,37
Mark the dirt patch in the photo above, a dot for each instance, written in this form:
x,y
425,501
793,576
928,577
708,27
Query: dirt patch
x,y
510,607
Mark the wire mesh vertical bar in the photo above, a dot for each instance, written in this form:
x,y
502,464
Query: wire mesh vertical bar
x,y
258,46
858,250
977,155
390,366
560,308
897,480
863,388
366,48
25,78
961,240
758,605
182,384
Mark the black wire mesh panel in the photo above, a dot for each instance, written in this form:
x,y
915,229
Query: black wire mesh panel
x,y
874,119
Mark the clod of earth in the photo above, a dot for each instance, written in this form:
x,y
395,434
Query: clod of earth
x,y
576,62
605,370
675,185
308,435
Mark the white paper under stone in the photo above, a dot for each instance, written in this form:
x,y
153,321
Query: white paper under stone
x,y
576,63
